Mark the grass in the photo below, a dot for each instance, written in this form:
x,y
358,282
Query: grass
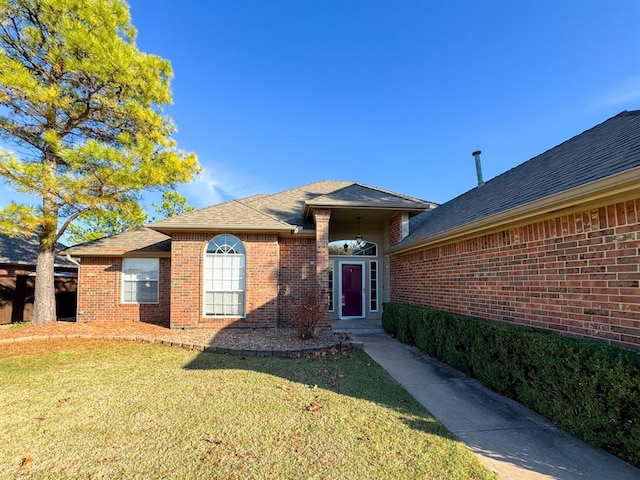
x,y
17,325
99,409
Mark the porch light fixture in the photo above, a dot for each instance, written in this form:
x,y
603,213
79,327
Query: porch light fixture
x,y
359,241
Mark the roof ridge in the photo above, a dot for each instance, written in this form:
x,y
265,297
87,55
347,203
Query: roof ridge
x,y
391,192
628,113
299,187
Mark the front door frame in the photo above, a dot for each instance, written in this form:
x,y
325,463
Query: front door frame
x,y
363,264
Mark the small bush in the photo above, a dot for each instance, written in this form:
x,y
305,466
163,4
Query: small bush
x,y
590,389
306,311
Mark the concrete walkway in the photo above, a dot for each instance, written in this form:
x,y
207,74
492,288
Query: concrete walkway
x,y
510,439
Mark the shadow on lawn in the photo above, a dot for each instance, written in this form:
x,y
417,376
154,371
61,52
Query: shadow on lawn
x,y
349,372
353,373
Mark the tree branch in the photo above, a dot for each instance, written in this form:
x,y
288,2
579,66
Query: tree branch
x,y
67,222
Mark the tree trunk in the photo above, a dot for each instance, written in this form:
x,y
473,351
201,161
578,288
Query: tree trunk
x,y
44,302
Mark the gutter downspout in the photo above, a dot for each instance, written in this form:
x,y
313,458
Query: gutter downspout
x,y
77,264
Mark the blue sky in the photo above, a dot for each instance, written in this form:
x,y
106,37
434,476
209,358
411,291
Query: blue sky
x,y
275,94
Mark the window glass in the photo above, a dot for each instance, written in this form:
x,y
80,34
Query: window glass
x,y
351,247
224,277
373,286
331,286
140,280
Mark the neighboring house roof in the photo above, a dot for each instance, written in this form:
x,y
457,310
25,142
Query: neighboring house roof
x,y
604,151
24,251
139,242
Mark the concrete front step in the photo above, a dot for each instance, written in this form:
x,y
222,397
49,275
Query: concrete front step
x,y
359,326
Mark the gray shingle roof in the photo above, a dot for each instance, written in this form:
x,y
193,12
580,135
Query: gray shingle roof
x,y
279,212
141,241
357,195
288,205
284,211
607,149
24,251
232,215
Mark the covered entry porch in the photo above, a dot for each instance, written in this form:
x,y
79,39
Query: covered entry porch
x,y
354,226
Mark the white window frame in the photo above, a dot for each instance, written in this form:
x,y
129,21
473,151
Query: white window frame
x,y
131,278
332,281
232,250
374,288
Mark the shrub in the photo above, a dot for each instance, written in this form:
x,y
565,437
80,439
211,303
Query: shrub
x,y
590,389
307,310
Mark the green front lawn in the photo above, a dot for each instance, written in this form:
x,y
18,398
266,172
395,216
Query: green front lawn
x,y
99,409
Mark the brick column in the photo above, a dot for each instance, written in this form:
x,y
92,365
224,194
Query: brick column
x,y
321,217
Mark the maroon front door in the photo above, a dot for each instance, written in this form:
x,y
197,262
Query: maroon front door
x,y
351,290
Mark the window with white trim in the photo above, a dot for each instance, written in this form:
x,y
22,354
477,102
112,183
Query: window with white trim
x,y
330,286
224,277
373,286
140,280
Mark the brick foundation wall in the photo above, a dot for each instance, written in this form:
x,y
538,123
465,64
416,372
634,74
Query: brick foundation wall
x,y
100,294
262,268
297,271
576,274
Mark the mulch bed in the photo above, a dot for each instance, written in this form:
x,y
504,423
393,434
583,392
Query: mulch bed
x,y
240,341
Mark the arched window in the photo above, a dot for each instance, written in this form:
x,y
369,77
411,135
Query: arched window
x,y
224,277
351,247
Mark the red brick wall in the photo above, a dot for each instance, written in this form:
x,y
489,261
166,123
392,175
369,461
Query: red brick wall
x,y
395,229
297,271
322,216
181,284
262,264
100,294
576,274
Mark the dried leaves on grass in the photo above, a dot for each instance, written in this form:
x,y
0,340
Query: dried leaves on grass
x,y
98,409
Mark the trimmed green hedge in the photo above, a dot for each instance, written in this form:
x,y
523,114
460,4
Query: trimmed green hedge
x,y
592,390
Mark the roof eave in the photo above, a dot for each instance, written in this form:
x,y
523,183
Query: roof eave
x,y
310,206
614,185
122,253
5,262
224,228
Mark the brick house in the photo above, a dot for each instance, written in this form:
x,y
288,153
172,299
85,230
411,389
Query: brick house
x,y
236,263
553,243
18,257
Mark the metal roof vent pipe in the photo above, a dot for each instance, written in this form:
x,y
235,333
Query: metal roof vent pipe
x,y
476,155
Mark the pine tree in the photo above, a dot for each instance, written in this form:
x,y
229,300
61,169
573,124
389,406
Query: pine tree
x,y
81,110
